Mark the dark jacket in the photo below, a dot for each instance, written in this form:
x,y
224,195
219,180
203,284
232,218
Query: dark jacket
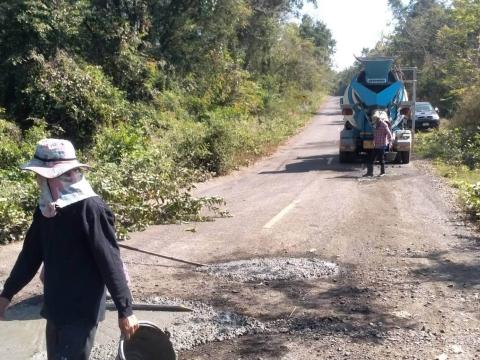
x,y
80,254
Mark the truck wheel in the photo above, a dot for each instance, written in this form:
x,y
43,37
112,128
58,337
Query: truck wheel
x,y
398,158
345,156
405,156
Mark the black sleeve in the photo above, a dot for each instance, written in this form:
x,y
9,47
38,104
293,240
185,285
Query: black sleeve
x,y
103,243
27,264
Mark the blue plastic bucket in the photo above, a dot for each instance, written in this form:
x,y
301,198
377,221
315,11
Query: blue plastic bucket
x,y
148,343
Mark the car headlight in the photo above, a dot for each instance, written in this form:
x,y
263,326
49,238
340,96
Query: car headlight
x,y
435,117
405,136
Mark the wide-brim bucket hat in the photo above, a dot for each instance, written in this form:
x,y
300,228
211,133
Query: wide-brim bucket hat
x,y
53,157
379,115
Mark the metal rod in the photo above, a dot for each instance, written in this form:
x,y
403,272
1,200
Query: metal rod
x,y
152,307
412,111
159,255
414,72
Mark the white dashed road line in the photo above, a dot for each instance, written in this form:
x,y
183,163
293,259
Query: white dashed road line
x,y
280,215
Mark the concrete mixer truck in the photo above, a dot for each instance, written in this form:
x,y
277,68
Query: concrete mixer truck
x,y
378,85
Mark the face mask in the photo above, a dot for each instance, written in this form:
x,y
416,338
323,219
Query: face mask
x,y
62,191
60,185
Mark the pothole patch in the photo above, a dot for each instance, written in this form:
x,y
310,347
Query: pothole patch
x,y
207,324
268,269
204,324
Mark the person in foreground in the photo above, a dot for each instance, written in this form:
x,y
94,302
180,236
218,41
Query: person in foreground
x,y
382,137
73,234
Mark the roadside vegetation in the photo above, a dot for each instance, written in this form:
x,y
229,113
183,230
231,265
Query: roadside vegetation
x,y
155,95
442,39
456,156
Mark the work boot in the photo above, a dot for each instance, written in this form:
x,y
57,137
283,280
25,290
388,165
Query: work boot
x,y
369,170
382,169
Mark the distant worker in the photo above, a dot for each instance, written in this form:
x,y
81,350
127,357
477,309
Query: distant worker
x,y
73,234
382,138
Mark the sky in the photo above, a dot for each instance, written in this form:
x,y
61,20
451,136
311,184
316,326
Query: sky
x,y
355,24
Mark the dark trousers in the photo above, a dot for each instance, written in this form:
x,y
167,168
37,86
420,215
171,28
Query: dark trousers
x,y
373,155
70,342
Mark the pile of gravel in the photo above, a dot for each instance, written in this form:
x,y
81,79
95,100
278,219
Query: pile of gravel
x,y
205,324
267,269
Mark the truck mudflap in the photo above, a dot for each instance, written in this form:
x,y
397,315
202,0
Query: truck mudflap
x,y
347,141
402,146
402,140
347,146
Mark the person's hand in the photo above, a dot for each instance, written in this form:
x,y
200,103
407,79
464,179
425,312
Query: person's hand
x,y
4,302
128,326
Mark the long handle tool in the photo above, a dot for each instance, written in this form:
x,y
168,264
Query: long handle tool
x,y
159,255
152,307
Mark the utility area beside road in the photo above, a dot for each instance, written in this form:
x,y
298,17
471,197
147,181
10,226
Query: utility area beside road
x,y
316,262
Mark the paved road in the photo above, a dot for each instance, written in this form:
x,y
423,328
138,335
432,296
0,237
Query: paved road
x,y
411,277
409,283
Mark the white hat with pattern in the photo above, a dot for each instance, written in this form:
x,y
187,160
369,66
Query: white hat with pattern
x,y
53,157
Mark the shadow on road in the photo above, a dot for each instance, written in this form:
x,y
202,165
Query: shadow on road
x,y
354,309
445,270
315,163
28,309
264,344
471,242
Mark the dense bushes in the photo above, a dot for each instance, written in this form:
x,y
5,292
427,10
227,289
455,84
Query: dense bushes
x,y
468,114
454,146
77,99
146,173
458,146
146,169
155,95
457,152
18,190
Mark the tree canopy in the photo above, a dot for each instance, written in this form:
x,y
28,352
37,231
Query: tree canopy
x,y
443,40
55,53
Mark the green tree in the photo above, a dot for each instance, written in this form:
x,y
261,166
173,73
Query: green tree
x,y
414,42
321,37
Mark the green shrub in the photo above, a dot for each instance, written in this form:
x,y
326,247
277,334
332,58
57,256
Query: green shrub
x,y
10,138
18,189
17,204
75,98
454,146
457,152
471,197
148,188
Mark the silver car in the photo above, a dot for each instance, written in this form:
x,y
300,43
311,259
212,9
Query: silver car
x,y
426,116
